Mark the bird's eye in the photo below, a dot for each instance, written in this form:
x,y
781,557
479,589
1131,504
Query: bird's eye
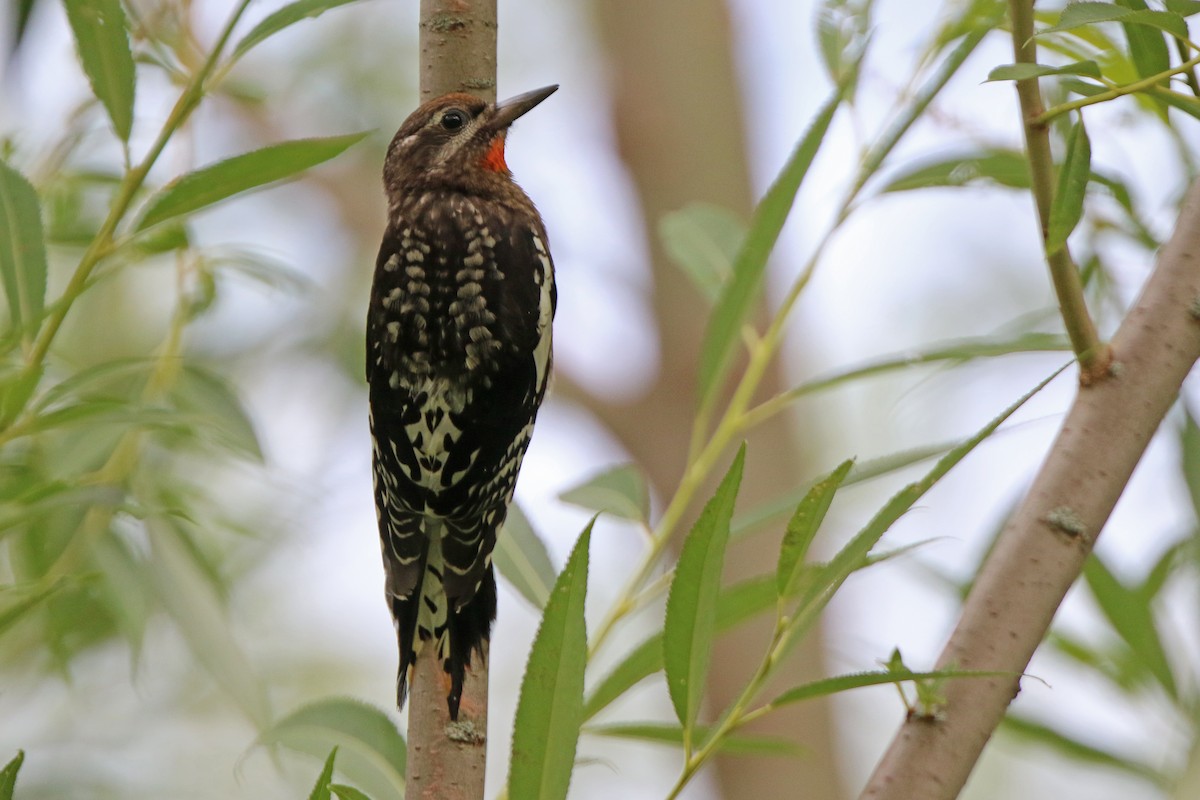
x,y
453,120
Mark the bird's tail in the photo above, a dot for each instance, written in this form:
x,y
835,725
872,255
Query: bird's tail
x,y
458,625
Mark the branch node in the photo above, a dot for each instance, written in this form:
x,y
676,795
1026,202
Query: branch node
x,y
465,732
1093,369
479,84
445,23
1066,520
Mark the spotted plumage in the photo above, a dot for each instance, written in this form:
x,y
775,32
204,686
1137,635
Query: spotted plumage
x,y
458,357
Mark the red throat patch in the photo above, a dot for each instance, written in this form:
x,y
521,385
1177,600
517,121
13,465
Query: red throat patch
x,y
494,159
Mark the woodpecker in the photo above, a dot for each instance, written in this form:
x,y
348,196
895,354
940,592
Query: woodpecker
x,y
458,356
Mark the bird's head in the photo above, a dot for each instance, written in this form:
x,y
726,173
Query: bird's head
x,y
456,138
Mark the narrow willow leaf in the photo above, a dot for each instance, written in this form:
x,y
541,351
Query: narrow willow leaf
x,y
1146,45
859,680
803,526
522,559
194,605
1166,21
1067,207
100,35
1189,447
18,601
283,18
216,182
620,491
320,790
1025,71
22,250
1081,88
1186,103
344,792
692,602
1132,617
668,734
371,752
738,603
739,294
863,471
1004,167
1185,8
1076,15
855,554
210,399
703,240
8,776
1031,732
550,708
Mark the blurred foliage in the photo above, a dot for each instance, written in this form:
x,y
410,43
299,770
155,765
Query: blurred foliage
x,y
113,458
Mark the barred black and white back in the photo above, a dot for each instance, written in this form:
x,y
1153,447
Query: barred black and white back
x,y
458,358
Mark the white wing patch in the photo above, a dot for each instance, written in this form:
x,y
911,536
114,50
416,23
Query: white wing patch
x,y
543,275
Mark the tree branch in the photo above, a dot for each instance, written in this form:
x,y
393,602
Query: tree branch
x,y
1042,549
447,760
458,48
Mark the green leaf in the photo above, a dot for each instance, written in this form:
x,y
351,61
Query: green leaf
x,y
1185,8
1186,103
843,31
1066,209
283,18
803,526
620,491
100,35
703,240
1076,15
22,250
855,554
210,398
17,601
1003,167
371,752
1189,446
1025,71
216,182
1081,88
670,734
859,680
739,294
191,600
1146,45
344,792
521,557
1132,617
1036,733
550,708
692,601
320,790
8,776
736,604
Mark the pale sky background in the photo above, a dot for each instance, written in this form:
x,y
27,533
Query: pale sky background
x,y
908,270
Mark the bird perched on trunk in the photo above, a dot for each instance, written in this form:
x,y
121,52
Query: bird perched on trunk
x,y
458,355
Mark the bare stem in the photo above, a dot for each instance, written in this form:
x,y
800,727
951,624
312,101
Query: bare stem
x,y
1144,84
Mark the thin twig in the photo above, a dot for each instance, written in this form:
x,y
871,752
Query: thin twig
x,y
1093,356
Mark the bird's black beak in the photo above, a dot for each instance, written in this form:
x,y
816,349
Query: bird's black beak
x,y
508,111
